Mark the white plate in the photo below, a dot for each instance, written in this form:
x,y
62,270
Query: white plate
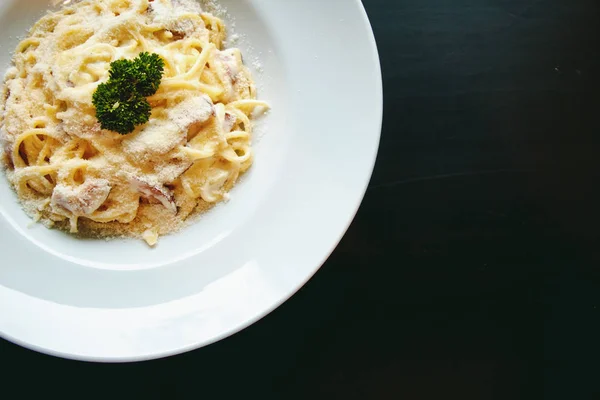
x,y
121,301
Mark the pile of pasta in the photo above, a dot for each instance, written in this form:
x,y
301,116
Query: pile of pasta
x,y
70,173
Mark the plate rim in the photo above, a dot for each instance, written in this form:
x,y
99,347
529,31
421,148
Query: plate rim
x,y
379,107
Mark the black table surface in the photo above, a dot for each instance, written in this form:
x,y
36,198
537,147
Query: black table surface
x,y
472,270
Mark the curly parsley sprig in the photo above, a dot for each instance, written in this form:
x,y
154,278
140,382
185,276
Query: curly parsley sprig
x,y
121,102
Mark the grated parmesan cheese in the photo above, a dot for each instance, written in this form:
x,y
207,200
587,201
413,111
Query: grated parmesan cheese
x,y
194,110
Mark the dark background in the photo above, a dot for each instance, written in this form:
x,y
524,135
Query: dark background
x,y
472,270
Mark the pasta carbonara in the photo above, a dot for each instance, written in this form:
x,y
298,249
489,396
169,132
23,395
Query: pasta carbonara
x,y
70,173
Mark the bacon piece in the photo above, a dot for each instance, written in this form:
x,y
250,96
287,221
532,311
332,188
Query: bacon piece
x,y
231,65
229,122
155,192
81,200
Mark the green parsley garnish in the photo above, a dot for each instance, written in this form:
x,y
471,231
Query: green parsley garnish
x,y
121,102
